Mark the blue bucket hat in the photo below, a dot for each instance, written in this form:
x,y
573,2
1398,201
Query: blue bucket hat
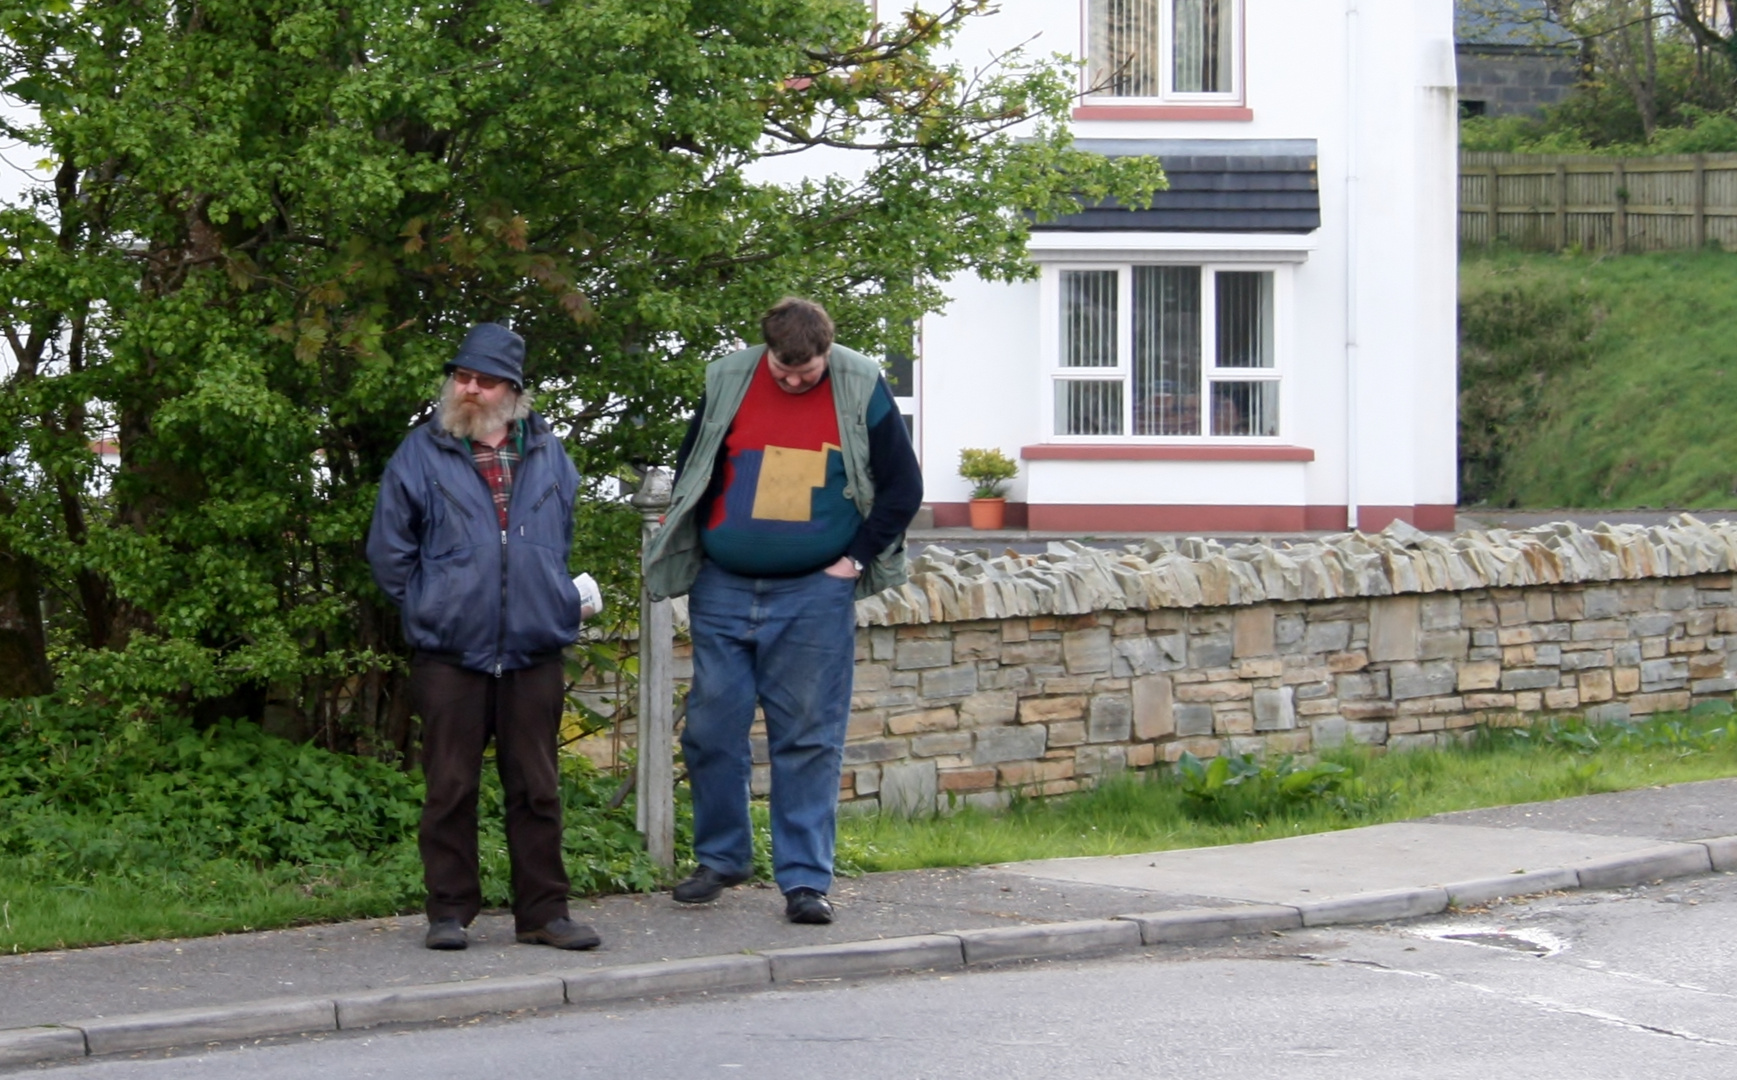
x,y
492,349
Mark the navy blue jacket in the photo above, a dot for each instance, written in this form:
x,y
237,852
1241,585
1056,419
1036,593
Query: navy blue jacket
x,y
485,599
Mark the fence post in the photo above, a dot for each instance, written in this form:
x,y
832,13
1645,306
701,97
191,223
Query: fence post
x,y
1561,206
655,777
1619,216
1698,232
1494,221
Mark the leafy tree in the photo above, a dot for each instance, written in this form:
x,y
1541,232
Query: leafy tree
x,y
271,221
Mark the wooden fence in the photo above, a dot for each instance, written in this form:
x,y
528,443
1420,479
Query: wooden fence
x,y
1553,202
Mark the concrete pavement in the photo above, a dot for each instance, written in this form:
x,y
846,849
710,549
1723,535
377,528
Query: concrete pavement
x,y
70,1004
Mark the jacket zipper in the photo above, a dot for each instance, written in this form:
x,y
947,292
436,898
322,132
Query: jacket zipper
x,y
501,623
453,499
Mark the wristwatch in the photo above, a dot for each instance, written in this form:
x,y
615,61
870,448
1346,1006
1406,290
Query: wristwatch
x,y
858,564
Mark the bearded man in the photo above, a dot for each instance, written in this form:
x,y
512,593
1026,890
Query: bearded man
x,y
470,539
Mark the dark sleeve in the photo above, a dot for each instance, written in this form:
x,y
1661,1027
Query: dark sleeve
x,y
394,537
693,434
897,476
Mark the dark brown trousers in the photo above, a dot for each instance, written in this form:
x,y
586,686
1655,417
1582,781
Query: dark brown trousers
x,y
461,710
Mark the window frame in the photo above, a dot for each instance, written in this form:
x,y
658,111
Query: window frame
x,y
1054,372
1168,95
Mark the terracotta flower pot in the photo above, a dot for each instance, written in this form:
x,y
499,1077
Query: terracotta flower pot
x,y
988,513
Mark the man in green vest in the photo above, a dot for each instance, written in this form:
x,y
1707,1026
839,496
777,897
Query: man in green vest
x,y
794,487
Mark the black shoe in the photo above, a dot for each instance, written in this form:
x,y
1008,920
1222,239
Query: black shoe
x,y
563,933
445,934
807,906
705,885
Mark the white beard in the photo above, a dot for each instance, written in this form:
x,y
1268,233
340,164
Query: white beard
x,y
469,419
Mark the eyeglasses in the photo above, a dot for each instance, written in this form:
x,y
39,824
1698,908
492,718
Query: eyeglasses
x,y
461,376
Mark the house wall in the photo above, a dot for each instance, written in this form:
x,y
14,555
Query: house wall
x,y
1397,333
1515,80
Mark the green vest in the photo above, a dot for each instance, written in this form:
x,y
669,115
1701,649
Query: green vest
x,y
673,556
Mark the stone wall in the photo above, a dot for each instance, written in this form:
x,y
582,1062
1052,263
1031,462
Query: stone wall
x,y
1449,634
1045,673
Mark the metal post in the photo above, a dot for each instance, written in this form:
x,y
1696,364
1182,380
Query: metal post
x,y
655,777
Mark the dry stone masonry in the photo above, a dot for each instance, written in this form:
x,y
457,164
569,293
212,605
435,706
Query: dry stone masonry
x,y
1045,673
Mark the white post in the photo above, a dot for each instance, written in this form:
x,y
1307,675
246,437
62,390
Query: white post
x,y
655,777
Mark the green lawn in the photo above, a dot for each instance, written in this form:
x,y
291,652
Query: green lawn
x,y
1643,415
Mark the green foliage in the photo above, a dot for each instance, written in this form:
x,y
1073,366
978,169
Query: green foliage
x,y
231,819
1518,336
1599,382
988,470
271,221
1241,786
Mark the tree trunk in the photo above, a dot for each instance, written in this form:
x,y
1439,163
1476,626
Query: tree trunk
x,y
24,668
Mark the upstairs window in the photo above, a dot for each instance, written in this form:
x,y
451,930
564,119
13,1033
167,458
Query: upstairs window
x,y
1181,51
1166,351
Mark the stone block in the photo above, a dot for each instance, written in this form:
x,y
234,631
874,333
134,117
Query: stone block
x,y
1288,632
1514,635
1722,685
1270,667
1143,656
923,653
1529,700
1085,651
1327,637
1531,679
955,681
882,643
1366,710
1586,660
867,753
1676,597
1375,907
925,721
1255,631
944,744
1477,612
1045,710
1482,675
213,1023
1340,663
1562,698
1596,685
1570,606
1431,679
1659,675
1627,680
970,645
1100,761
866,781
908,788
1210,650
1370,684
1275,709
1067,733
1444,645
1627,654
1667,701
1193,720
1394,626
1329,732
1654,647
989,707
953,780
1022,653
1230,690
1439,612
1540,606
999,744
1111,718
1154,716
1643,626
1232,721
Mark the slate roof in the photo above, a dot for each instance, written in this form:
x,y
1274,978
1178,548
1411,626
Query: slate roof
x,y
1508,23
1216,185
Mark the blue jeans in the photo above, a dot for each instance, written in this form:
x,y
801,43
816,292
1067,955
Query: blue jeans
x,y
788,644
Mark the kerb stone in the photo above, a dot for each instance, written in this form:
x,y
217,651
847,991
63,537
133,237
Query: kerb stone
x,y
31,1046
180,1027
1648,864
927,952
1488,890
435,1001
669,977
1206,924
1048,939
1375,907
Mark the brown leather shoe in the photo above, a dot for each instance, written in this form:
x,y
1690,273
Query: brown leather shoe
x,y
562,933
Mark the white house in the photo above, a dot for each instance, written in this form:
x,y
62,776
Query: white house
x,y
1271,346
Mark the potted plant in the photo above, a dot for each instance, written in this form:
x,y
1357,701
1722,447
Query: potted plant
x,y
989,471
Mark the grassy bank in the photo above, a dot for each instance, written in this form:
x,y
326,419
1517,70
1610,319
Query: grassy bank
x,y
1599,381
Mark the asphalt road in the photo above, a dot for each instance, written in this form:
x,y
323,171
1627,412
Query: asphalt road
x,y
1637,982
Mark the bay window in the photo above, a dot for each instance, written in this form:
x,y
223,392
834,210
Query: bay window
x,y
1166,351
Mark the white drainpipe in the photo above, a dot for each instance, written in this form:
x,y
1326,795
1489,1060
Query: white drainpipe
x,y
1352,210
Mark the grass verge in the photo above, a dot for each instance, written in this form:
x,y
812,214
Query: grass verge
x,y
1152,812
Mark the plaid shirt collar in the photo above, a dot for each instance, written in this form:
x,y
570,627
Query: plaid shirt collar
x,y
496,465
